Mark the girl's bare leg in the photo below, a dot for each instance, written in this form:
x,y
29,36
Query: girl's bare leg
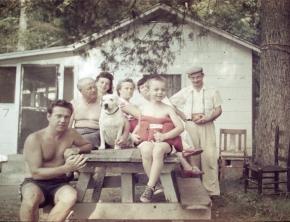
x,y
158,156
146,150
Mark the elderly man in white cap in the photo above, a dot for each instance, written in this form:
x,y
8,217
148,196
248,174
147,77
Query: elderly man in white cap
x,y
201,106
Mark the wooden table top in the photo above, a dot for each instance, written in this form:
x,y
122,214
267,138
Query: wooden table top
x,y
122,155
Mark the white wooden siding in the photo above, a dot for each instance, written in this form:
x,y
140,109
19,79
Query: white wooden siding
x,y
227,66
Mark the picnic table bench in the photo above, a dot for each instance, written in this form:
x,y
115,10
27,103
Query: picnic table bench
x,y
185,198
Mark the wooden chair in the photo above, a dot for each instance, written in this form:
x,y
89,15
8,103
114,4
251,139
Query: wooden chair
x,y
268,177
232,154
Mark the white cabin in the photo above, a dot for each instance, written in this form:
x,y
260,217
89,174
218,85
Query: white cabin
x,y
29,80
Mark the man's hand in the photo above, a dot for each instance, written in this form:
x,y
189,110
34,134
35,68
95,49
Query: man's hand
x,y
202,120
71,151
76,162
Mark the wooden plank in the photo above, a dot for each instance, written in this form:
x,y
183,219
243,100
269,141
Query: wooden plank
x,y
123,155
113,167
122,167
137,211
136,157
115,181
169,191
192,193
128,188
82,185
98,178
111,182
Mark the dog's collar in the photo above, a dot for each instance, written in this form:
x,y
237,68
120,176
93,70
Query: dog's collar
x,y
113,112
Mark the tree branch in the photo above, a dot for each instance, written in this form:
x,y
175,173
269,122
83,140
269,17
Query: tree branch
x,y
10,18
275,46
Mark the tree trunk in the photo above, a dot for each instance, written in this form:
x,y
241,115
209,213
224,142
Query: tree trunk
x,y
275,76
22,27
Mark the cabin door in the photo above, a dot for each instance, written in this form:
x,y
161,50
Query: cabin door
x,y
38,89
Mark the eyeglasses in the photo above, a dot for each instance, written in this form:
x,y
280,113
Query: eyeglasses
x,y
195,78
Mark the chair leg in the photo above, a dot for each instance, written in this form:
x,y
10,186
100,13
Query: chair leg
x,y
223,170
246,169
219,168
276,179
260,185
288,180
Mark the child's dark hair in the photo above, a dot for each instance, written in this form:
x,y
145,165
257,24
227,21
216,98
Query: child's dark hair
x,y
109,76
61,103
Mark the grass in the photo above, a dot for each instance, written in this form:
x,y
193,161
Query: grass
x,y
233,204
236,205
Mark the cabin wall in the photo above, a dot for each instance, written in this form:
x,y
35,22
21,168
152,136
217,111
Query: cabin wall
x,y
227,66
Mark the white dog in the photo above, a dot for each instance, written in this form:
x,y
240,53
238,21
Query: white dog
x,y
111,122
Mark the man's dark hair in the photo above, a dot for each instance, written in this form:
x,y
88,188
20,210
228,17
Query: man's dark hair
x,y
109,76
61,103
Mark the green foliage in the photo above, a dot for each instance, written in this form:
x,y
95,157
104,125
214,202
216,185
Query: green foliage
x,y
9,24
63,22
239,17
151,53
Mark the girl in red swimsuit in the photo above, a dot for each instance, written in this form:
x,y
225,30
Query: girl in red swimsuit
x,y
153,152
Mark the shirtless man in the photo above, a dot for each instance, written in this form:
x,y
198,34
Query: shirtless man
x,y
49,156
87,110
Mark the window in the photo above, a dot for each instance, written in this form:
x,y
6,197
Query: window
x,y
7,84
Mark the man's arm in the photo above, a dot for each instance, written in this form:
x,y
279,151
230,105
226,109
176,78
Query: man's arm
x,y
179,113
72,118
71,121
33,157
81,145
217,112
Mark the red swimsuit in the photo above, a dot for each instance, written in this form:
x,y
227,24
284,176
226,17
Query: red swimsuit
x,y
150,124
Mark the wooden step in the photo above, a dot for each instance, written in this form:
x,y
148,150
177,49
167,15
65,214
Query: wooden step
x,y
192,193
184,198
138,212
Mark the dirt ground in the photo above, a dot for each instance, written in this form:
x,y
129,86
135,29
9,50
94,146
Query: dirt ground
x,y
10,201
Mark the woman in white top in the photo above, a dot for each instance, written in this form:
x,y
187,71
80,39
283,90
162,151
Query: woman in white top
x,y
125,90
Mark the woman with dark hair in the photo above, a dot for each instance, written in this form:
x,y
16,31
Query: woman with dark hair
x,y
104,83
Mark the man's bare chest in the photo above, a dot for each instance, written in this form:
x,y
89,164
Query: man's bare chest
x,y
52,151
88,112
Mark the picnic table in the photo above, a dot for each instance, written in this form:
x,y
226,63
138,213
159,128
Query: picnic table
x,y
187,201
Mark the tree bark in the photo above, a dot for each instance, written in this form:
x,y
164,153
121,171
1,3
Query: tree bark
x,y
22,27
274,76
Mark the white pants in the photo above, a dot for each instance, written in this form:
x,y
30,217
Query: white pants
x,y
203,136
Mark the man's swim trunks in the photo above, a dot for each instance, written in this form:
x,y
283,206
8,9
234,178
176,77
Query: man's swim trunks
x,y
48,188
